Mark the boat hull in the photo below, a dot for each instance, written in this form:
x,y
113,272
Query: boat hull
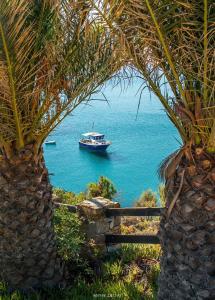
x,y
96,148
50,143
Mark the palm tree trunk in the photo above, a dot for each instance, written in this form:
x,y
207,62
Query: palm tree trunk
x,y
28,256
188,234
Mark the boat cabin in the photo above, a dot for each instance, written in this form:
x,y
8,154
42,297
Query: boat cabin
x,y
94,136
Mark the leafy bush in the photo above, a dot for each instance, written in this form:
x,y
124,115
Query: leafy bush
x,y
130,273
152,199
103,188
69,237
147,199
161,191
68,197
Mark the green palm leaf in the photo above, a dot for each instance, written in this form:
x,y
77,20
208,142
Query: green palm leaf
x,y
53,56
171,43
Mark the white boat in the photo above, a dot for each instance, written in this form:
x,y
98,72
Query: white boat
x,y
50,142
94,141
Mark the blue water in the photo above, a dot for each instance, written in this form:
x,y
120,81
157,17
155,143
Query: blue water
x,y
138,144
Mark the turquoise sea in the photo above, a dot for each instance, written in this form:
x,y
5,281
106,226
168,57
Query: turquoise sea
x,y
138,144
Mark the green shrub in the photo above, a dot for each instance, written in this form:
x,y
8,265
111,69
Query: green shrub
x,y
103,188
68,197
130,252
152,199
112,270
161,191
68,234
147,199
129,273
124,277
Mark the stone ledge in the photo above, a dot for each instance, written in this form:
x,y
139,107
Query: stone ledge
x,y
95,208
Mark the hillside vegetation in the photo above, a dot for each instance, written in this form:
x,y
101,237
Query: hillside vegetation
x,y
129,273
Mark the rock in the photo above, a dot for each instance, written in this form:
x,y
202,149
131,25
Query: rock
x,y
96,207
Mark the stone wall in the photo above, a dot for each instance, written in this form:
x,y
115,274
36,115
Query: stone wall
x,y
95,222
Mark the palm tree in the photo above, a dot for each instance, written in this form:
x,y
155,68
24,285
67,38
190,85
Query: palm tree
x,y
171,44
53,56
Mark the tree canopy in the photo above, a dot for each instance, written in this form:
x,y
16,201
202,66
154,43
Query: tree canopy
x,y
53,56
171,44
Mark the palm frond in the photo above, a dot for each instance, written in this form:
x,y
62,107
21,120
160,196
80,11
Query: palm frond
x,y
168,166
53,56
171,43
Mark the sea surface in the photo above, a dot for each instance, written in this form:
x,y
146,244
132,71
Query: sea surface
x,y
139,143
